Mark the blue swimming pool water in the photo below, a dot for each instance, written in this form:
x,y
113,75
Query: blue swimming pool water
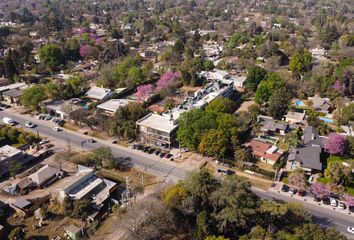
x,y
327,120
299,103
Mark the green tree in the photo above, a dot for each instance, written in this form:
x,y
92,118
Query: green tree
x,y
213,143
300,63
338,173
14,168
234,206
347,114
103,157
243,155
221,105
279,103
51,56
254,76
216,238
173,196
17,234
33,96
208,65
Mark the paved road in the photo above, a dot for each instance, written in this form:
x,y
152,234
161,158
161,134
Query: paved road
x,y
323,216
169,170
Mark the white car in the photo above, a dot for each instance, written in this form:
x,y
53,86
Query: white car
x,y
350,230
342,206
44,141
334,202
29,124
56,129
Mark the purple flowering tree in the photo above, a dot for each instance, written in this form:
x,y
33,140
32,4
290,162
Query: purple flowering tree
x,y
93,36
320,190
349,199
87,50
338,86
99,41
335,144
144,91
167,80
83,30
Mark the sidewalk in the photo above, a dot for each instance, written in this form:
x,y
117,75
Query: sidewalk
x,y
308,199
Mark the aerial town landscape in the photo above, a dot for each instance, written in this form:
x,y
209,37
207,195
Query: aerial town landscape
x,y
177,119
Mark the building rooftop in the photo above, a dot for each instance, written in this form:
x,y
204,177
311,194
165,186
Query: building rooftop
x,y
157,122
295,115
7,152
15,93
12,86
98,93
43,174
112,105
21,203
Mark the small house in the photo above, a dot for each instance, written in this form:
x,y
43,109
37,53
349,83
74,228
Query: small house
x,y
264,151
295,117
97,93
73,232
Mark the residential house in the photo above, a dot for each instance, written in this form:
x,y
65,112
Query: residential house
x,y
61,108
323,105
112,105
12,96
97,93
295,117
266,152
158,131
21,206
318,53
272,126
307,156
238,81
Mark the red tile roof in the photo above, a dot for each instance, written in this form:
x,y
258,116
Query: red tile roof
x,y
259,149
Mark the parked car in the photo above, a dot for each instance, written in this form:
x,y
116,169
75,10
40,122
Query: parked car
x,y
334,202
285,188
162,155
150,151
292,190
48,117
145,149
168,155
326,201
43,141
230,172
157,152
301,193
350,230
91,140
351,209
9,121
61,123
342,206
29,124
57,129
317,199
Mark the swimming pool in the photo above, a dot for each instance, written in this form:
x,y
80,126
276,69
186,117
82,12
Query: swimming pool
x,y
327,120
299,103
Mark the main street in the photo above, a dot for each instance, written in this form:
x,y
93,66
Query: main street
x,y
170,171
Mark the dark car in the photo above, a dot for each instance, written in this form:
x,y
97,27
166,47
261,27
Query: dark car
x,y
157,152
162,155
230,172
150,151
168,155
285,188
351,209
326,201
301,193
145,149
317,199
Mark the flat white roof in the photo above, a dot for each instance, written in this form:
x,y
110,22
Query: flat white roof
x,y
8,151
113,104
12,86
157,122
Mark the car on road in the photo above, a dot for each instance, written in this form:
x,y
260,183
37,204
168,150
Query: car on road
x,y
351,209
334,202
43,141
91,140
350,230
48,117
292,191
326,201
29,124
9,121
342,206
301,193
285,188
57,129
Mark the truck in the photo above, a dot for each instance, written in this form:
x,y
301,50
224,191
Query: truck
x,y
8,121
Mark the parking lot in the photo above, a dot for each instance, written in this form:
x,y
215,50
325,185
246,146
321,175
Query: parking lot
x,y
150,150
